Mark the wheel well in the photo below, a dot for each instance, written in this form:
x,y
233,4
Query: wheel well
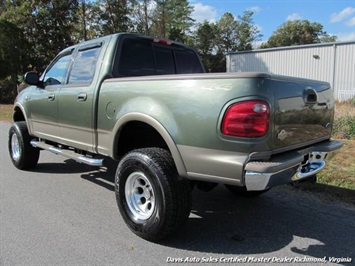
x,y
18,115
136,135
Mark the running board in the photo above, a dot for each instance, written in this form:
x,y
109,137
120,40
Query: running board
x,y
67,153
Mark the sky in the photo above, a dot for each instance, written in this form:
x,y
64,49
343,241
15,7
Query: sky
x,y
336,16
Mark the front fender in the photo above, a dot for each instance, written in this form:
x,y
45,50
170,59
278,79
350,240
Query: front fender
x,y
21,108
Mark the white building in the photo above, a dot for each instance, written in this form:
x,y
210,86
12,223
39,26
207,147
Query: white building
x,y
331,62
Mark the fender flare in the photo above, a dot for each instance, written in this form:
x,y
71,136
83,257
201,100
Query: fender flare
x,y
20,106
140,117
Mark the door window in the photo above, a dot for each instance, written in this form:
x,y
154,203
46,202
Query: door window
x,y
57,72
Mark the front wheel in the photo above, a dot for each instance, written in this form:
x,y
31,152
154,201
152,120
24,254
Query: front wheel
x,y
23,155
153,201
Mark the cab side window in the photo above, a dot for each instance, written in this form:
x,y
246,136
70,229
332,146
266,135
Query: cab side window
x,y
84,66
57,72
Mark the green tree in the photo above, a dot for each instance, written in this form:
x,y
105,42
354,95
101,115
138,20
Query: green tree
x,y
247,32
298,32
54,25
2,6
172,19
236,34
205,38
181,20
48,26
82,30
214,40
142,14
13,59
328,38
161,19
227,33
15,49
18,13
110,16
43,28
205,44
86,26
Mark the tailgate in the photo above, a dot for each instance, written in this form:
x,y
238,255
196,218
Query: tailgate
x,y
304,111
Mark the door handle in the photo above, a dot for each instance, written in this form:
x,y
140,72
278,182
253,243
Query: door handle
x,y
51,97
82,97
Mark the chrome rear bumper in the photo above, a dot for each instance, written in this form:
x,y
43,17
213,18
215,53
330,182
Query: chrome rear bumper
x,y
287,167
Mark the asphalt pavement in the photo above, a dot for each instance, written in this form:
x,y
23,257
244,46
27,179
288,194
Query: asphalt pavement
x,y
65,213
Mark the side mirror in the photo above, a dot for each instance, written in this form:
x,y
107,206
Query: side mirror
x,y
31,78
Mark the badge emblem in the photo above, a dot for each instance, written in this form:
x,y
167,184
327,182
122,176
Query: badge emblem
x,y
283,134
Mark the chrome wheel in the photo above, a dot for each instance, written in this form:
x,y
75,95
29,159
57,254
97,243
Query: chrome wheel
x,y
15,147
152,200
140,196
23,155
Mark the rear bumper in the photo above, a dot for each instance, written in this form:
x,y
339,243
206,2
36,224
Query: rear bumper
x,y
287,167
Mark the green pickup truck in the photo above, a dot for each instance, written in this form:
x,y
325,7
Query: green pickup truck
x,y
148,104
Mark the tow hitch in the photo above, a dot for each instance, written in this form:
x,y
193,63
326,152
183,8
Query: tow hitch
x,y
312,164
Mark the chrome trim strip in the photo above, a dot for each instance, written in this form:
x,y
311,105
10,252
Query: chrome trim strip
x,y
214,179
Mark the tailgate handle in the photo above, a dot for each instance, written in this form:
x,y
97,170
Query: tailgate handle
x,y
311,96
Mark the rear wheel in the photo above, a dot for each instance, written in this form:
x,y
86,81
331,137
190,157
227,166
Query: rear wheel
x,y
23,155
153,201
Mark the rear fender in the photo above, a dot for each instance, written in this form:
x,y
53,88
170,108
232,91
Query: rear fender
x,y
140,117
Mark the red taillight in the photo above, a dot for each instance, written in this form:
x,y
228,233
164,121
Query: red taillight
x,y
246,119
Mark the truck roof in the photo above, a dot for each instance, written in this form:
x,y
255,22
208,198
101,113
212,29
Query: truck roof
x,y
119,35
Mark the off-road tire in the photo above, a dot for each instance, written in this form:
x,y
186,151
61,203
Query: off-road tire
x,y
153,201
23,155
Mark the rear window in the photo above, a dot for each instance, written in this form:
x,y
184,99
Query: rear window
x,y
187,62
165,60
140,57
136,59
